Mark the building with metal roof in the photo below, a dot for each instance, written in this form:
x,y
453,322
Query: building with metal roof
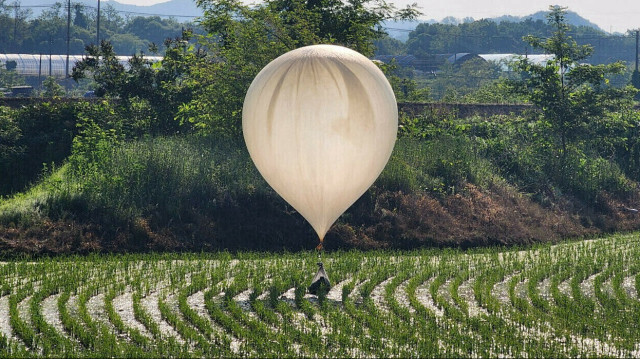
x,y
461,57
433,63
430,63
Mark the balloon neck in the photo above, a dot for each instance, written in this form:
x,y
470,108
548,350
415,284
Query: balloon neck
x,y
320,245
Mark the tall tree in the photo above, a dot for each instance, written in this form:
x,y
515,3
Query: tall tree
x,y
160,86
572,95
242,39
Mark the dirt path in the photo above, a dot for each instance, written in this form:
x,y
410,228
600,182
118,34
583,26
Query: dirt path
x,y
150,304
51,314
5,324
123,305
423,295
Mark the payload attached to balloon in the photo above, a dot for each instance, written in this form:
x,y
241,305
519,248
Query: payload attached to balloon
x,y
320,123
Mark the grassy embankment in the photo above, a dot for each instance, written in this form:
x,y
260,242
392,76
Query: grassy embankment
x,y
450,182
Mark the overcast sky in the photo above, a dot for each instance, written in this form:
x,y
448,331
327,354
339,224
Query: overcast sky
x,y
610,15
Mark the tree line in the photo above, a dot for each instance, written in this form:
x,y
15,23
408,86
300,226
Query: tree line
x,y
47,33
487,36
23,33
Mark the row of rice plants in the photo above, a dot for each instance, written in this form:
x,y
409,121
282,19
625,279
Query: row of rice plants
x,y
572,299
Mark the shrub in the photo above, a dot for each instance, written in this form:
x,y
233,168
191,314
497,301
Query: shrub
x,y
10,135
38,134
164,175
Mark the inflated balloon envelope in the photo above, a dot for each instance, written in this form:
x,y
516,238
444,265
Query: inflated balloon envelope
x,y
320,123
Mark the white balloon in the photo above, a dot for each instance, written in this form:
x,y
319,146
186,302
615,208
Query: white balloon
x,y
320,123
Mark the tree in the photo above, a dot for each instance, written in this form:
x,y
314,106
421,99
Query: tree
x,y
11,65
52,88
463,79
153,28
80,19
102,64
20,17
242,39
402,82
635,79
570,94
8,77
111,19
389,46
159,89
9,136
127,44
428,39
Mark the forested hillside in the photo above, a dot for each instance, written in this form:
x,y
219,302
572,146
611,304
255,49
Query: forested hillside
x,y
488,36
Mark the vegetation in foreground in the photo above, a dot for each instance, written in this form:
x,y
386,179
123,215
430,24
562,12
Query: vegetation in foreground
x,y
576,299
159,164
193,193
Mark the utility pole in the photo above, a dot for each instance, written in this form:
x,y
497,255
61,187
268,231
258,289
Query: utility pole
x,y
98,26
16,10
635,77
637,37
50,55
66,72
40,73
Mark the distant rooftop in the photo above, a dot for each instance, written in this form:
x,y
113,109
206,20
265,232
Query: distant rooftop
x,y
432,63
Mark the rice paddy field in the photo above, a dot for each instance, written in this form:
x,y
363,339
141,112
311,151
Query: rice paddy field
x,y
571,299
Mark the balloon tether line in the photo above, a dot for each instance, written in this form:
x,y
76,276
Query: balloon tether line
x,y
320,249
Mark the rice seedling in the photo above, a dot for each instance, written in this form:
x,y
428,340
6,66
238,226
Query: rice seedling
x,y
571,299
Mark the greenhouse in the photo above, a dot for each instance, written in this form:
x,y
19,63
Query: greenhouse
x,y
51,65
503,60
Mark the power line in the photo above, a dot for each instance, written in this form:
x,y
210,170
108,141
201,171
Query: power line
x,y
27,6
148,13
95,8
383,27
576,36
396,29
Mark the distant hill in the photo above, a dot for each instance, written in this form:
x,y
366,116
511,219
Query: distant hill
x,y
182,10
400,29
572,18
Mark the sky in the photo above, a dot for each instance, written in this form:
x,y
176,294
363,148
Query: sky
x,y
610,15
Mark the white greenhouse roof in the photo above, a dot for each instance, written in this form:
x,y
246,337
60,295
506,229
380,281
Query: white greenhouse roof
x,y
35,65
505,59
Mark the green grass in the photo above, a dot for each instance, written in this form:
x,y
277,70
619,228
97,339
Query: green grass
x,y
380,308
170,176
159,175
205,193
456,183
